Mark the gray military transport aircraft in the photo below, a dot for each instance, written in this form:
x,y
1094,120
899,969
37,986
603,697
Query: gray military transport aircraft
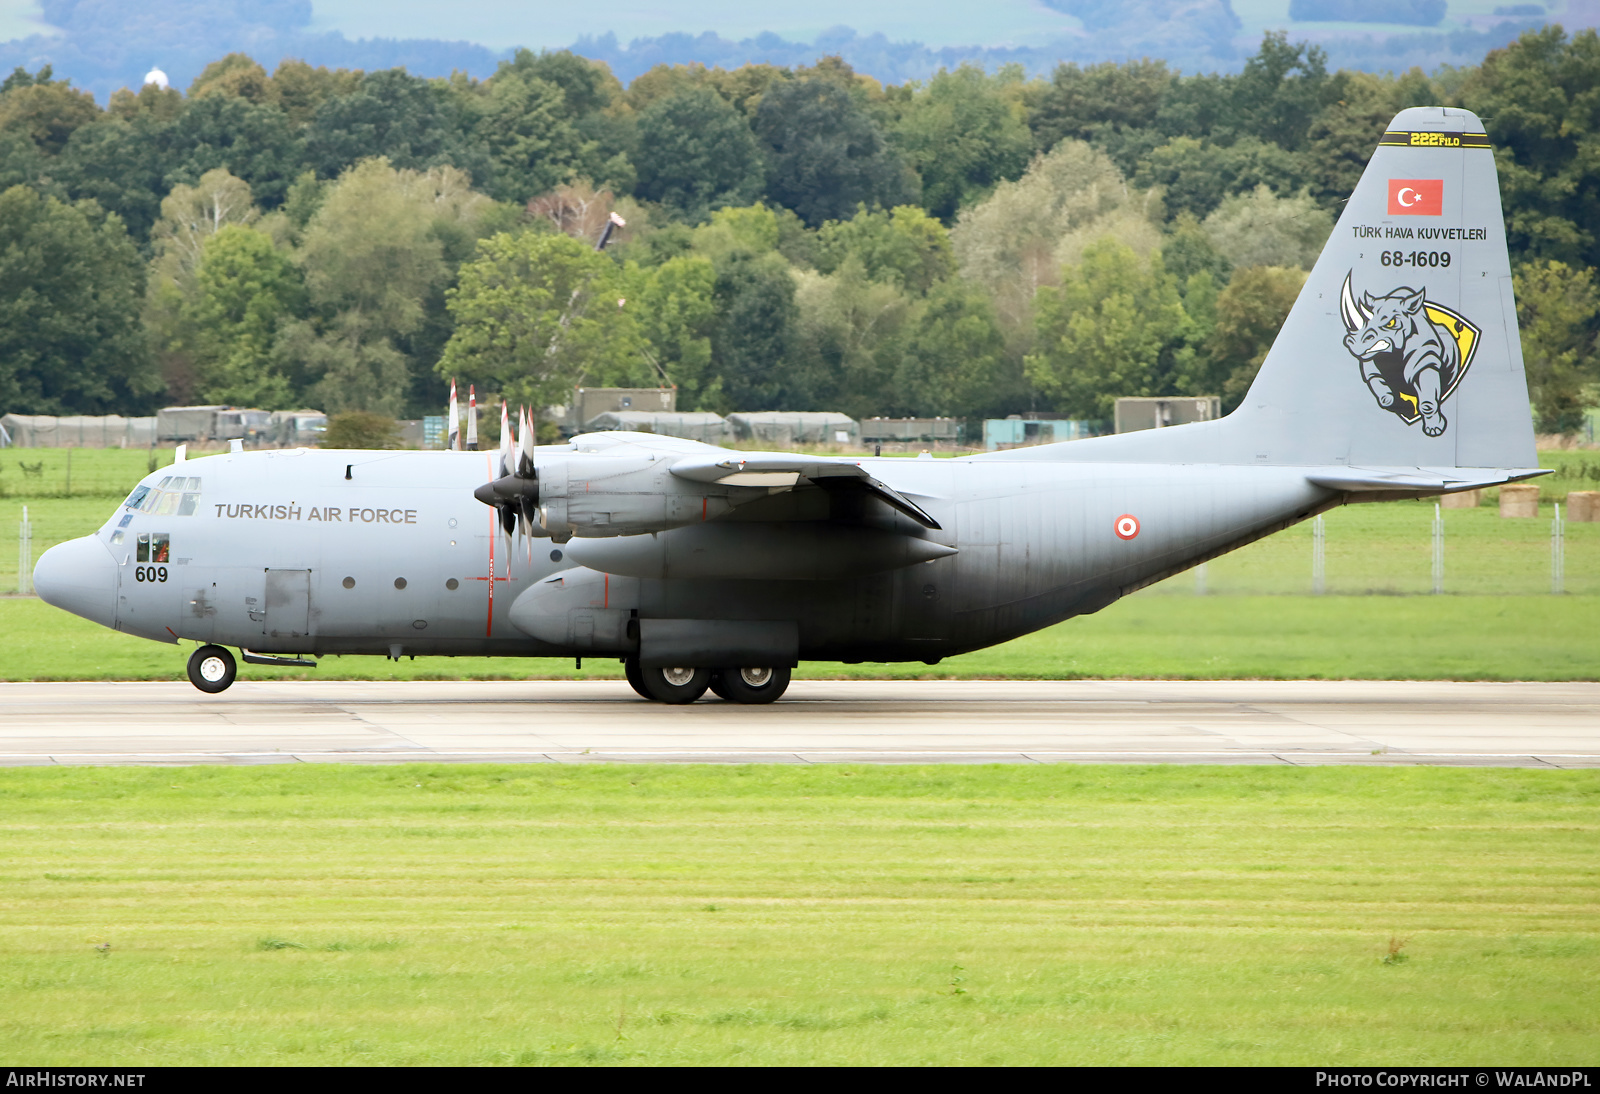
x,y
1398,374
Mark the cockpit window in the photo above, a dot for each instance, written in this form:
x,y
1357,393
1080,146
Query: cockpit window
x,y
175,495
136,497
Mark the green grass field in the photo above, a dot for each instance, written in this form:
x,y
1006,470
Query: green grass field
x,y
1145,636
773,915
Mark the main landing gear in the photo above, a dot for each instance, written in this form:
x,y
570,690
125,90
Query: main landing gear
x,y
755,684
212,669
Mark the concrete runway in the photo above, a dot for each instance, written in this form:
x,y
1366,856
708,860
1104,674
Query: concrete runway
x,y
958,721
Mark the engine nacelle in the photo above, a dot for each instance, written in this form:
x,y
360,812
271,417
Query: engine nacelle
x,y
624,495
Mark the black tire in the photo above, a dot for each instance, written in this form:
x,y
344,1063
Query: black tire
x,y
718,688
676,685
754,684
212,669
630,665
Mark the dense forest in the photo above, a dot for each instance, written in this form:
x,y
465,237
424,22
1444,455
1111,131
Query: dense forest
x,y
980,243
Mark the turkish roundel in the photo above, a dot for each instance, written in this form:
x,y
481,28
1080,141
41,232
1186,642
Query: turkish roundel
x,y
1416,197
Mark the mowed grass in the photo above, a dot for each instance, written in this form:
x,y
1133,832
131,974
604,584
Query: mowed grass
x,y
783,915
1147,636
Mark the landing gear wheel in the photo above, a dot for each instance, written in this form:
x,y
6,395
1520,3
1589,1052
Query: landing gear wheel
x,y
676,685
753,684
212,669
630,665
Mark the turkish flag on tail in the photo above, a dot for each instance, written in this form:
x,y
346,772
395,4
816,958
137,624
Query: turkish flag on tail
x,y
1416,197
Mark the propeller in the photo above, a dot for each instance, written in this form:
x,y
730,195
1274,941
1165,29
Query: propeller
x,y
516,492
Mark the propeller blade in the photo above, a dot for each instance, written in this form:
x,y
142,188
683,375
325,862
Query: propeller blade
x,y
506,439
525,465
453,438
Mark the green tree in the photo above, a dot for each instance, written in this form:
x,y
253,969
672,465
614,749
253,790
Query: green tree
x,y
245,290
849,340
190,215
237,75
963,134
121,163
1100,103
1103,331
1009,242
532,143
70,282
674,304
376,268
752,344
1195,175
535,314
298,89
904,246
696,154
410,122
1262,229
955,362
1537,99
1556,309
360,429
825,154
44,110
1280,91
1249,314
253,141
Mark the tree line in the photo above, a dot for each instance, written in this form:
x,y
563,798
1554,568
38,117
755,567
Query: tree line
x,y
795,238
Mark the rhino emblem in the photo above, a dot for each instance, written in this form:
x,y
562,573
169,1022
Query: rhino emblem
x,y
1413,352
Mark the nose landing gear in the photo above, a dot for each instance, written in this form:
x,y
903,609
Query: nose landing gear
x,y
212,669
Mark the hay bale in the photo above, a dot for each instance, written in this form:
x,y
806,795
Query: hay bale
x,y
1463,499
1584,506
1519,501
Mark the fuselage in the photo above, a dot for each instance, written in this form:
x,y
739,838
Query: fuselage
x,y
325,552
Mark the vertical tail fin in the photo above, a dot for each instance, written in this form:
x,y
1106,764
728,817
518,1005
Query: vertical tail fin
x,y
1402,349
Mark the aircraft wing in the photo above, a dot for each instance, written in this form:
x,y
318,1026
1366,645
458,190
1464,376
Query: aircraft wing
x,y
728,468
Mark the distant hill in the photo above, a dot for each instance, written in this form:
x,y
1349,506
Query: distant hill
x,y
108,44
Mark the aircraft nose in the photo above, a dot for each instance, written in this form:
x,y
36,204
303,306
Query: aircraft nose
x,y
79,576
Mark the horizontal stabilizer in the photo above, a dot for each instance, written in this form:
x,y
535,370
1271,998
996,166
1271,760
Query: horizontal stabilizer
x,y
1420,480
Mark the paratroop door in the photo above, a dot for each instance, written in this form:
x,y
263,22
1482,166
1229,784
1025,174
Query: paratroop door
x,y
288,604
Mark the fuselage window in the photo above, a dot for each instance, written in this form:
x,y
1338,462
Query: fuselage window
x,y
117,537
154,547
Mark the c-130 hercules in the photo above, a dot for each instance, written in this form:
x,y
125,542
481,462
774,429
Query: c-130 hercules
x,y
1398,374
